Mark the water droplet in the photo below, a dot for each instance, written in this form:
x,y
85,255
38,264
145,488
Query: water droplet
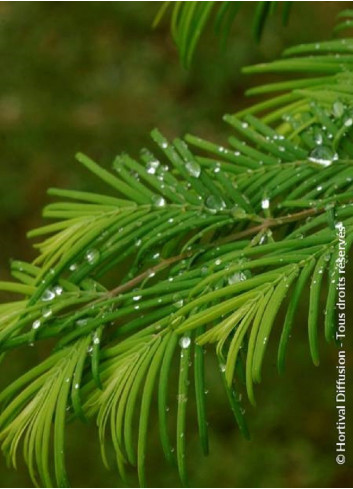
x,y
158,201
236,278
214,202
318,138
338,109
348,122
48,295
81,322
36,324
96,340
47,312
204,270
238,212
179,303
265,204
92,256
185,342
152,167
323,155
182,398
136,298
244,125
193,168
58,290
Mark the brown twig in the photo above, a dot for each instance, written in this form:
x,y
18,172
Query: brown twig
x,y
267,223
150,272
270,223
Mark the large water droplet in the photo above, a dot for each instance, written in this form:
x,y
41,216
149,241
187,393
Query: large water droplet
x,y
214,202
236,277
323,155
193,168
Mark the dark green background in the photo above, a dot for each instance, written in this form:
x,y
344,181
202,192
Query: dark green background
x,y
94,76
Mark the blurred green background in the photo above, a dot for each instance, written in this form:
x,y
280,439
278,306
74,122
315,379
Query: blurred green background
x,y
94,77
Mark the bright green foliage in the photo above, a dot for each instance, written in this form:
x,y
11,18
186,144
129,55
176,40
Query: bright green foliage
x,y
190,19
215,240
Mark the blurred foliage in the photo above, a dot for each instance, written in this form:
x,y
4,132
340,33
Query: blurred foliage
x,y
95,77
